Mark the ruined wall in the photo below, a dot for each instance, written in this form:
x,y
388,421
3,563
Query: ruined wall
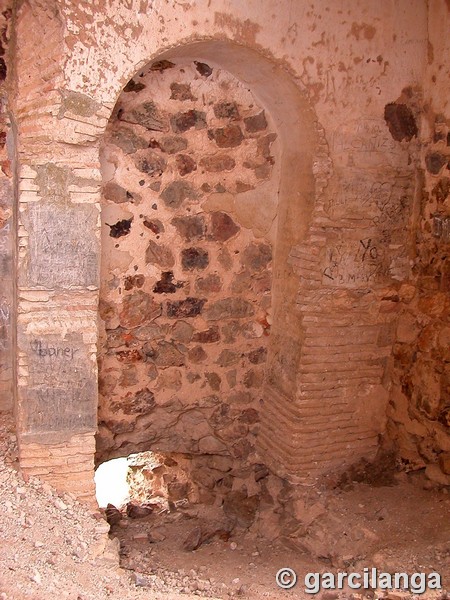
x,y
185,293
324,75
6,222
419,408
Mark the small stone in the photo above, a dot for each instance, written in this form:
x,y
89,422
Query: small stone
x,y
191,307
155,225
211,445
125,139
197,355
193,541
214,381
138,511
133,86
257,256
115,193
181,91
222,227
151,163
194,258
256,123
173,144
120,228
227,137
228,358
162,65
257,356
434,162
204,69
165,285
183,121
158,254
233,546
185,164
190,228
210,283
132,281
182,332
217,163
226,110
209,336
140,580
147,115
176,192
137,308
37,578
113,515
229,308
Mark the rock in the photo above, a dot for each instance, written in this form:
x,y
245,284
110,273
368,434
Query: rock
x,y
194,258
214,381
241,508
162,65
222,227
261,472
257,256
226,110
125,139
115,193
154,225
183,121
190,228
204,69
211,445
141,581
256,123
197,355
191,307
434,162
173,144
138,511
210,283
434,473
181,91
133,86
182,332
165,285
176,192
257,356
193,540
138,308
229,308
217,163
120,228
155,536
444,462
167,355
151,163
228,358
132,281
185,164
158,254
147,115
209,336
113,515
227,137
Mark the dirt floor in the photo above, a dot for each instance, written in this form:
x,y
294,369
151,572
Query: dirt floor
x,y
51,545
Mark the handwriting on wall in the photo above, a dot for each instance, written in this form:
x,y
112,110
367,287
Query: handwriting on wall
x,y
61,395
63,248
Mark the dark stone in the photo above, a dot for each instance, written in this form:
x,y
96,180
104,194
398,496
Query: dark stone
x,y
226,110
191,307
401,122
115,193
227,137
209,336
148,332
151,163
3,69
132,281
230,331
217,163
241,508
261,472
133,86
222,227
143,402
128,377
249,416
210,283
185,164
154,225
263,171
256,123
176,192
264,144
162,65
230,308
243,187
120,228
138,511
194,540
240,397
173,144
190,228
160,255
214,381
434,162
194,258
127,140
258,356
197,355
257,256
183,121
204,69
138,308
165,285
227,358
155,186
241,282
147,115
181,91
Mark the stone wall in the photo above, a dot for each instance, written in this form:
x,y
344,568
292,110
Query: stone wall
x,y
185,295
6,222
419,409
